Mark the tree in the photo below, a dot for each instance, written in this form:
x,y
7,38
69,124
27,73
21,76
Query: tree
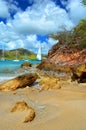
x,y
74,38
84,2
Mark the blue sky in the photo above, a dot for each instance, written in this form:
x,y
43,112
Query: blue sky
x,y
28,23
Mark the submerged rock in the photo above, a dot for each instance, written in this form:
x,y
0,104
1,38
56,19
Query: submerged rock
x,y
26,65
19,82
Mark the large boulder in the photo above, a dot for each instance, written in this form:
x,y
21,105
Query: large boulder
x,y
19,82
75,72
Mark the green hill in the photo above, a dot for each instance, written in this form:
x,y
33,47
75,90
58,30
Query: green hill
x,y
21,54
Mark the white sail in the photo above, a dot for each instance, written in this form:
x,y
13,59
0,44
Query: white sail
x,y
16,60
39,53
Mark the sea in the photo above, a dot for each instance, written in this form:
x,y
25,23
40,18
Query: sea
x,y
10,69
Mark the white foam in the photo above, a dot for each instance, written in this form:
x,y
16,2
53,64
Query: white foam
x,y
3,78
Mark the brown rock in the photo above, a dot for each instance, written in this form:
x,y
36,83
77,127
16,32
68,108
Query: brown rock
x,y
63,55
49,83
22,106
46,65
79,73
19,82
75,72
26,65
30,116
70,61
19,107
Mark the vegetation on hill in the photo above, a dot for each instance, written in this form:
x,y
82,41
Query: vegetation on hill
x,y
21,54
84,2
75,38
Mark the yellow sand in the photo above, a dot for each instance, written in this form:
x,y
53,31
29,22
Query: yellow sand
x,y
63,109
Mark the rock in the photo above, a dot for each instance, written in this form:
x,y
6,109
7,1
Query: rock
x,y
19,82
19,107
46,65
26,65
49,83
63,55
30,116
79,73
22,106
75,71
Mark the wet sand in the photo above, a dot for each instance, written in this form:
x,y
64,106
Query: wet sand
x,y
63,109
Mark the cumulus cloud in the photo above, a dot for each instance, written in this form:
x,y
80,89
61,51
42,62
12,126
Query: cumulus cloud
x,y
41,18
4,12
7,8
33,43
11,40
77,10
6,33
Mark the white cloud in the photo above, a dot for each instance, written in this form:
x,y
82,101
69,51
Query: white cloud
x,y
10,45
7,7
63,2
7,34
14,44
4,12
41,18
77,10
9,38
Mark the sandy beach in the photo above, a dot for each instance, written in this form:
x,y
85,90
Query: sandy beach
x,y
63,109
42,65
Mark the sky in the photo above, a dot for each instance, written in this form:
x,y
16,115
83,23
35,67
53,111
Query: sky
x,y
28,23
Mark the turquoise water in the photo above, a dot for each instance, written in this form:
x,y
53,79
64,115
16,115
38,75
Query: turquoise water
x,y
9,68
10,64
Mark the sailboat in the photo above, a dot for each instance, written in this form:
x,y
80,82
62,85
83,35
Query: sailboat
x,y
16,60
39,57
25,59
3,57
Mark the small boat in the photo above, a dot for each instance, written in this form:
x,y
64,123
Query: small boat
x,y
16,60
2,59
25,59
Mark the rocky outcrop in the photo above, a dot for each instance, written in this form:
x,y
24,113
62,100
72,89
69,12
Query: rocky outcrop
x,y
19,82
49,83
23,106
64,61
66,57
79,73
